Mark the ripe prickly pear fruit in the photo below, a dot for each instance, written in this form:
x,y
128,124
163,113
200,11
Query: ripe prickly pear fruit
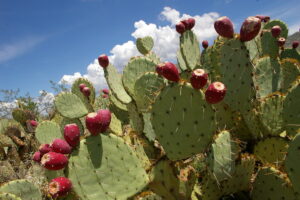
x,y
281,41
72,134
104,96
33,123
224,27
170,72
295,44
250,28
103,60
105,118
92,121
81,86
198,78
204,44
215,92
86,91
61,146
59,187
159,68
37,157
45,148
105,91
180,27
276,30
189,23
54,161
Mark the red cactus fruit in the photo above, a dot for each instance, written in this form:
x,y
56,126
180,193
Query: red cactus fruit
x,y
189,23
198,78
86,91
92,123
61,146
250,28
276,30
180,27
281,41
224,27
45,148
295,44
159,68
105,118
105,91
54,161
170,72
33,123
81,86
104,96
215,92
103,60
37,157
59,187
72,134
204,44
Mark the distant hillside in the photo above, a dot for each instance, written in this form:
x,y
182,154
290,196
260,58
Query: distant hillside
x,y
291,38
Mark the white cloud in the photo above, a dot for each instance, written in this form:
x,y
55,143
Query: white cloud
x,y
294,28
166,43
10,51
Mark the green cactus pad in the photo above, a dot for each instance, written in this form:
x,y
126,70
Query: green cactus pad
x,y
271,114
88,101
47,131
271,150
270,183
290,53
134,69
291,109
292,165
189,47
284,28
23,189
236,74
153,57
240,181
254,48
115,125
9,196
101,103
290,71
181,62
20,115
254,124
146,89
117,103
183,122
269,45
135,118
114,80
66,121
144,45
267,76
221,159
225,117
114,171
148,129
69,105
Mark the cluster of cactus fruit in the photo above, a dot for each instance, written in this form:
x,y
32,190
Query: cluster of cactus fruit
x,y
223,123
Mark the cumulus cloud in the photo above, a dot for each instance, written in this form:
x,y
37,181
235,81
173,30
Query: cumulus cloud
x,y
166,43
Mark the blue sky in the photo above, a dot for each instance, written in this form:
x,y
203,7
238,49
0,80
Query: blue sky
x,y
44,40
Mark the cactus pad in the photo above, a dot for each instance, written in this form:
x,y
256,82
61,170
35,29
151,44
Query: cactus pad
x,y
134,69
183,122
189,47
76,90
269,45
270,183
271,150
283,26
23,189
146,89
290,53
114,80
70,105
290,71
181,61
47,131
8,196
144,45
115,172
148,129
